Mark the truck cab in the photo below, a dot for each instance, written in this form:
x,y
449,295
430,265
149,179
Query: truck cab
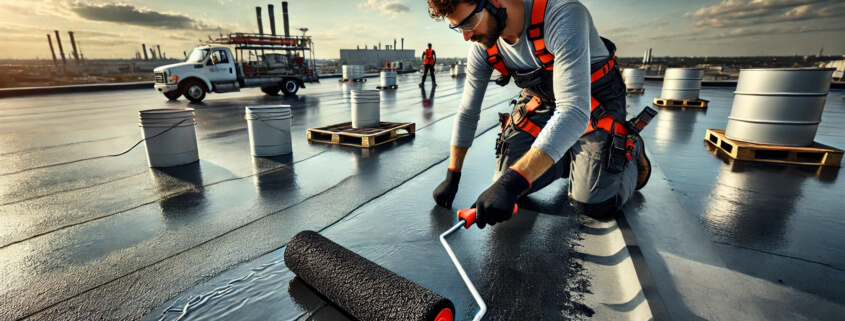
x,y
207,69
273,63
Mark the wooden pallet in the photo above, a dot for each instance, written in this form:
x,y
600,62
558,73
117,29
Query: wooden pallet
x,y
353,80
635,90
344,134
698,103
387,87
818,154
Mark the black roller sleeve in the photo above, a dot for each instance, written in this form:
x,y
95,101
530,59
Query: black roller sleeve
x,y
362,288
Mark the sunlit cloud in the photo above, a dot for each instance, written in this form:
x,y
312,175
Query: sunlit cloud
x,y
385,6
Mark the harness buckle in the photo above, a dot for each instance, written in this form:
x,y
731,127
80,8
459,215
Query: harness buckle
x,y
535,31
503,80
494,59
599,113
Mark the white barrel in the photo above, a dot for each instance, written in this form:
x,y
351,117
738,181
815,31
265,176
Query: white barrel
x,y
682,83
779,106
366,108
353,71
460,69
269,129
634,78
452,70
388,78
169,136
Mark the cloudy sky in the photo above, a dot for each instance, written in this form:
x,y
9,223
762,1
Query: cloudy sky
x,y
116,28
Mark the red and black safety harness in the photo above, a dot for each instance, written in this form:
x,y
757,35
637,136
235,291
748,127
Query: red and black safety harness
x,y
599,117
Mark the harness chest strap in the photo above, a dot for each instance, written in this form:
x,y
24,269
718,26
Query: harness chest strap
x,y
536,36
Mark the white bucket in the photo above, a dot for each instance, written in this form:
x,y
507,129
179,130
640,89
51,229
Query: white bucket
x,y
169,136
269,129
460,70
388,78
366,108
353,71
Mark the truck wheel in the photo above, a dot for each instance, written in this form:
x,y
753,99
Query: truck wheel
x,y
194,91
271,90
173,95
290,87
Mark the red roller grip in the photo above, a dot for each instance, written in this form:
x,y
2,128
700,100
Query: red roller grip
x,y
468,215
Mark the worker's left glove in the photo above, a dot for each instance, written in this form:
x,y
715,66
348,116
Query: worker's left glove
x,y
496,204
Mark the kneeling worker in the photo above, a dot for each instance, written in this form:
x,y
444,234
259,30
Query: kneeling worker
x,y
569,120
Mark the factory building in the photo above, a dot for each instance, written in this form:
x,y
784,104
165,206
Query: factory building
x,y
374,57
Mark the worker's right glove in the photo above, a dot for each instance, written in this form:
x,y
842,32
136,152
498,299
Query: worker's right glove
x,y
496,204
444,194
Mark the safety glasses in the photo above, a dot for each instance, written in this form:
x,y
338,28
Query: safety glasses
x,y
471,21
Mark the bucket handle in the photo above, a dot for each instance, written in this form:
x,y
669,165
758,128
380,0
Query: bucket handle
x,y
268,124
103,156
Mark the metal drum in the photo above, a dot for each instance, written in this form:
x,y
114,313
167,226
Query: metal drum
x,y
634,78
779,106
682,83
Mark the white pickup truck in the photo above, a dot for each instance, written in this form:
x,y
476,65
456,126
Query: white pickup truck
x,y
273,63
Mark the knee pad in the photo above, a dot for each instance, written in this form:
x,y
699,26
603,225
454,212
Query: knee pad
x,y
597,210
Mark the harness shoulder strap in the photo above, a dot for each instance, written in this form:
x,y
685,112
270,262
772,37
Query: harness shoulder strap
x,y
536,33
494,58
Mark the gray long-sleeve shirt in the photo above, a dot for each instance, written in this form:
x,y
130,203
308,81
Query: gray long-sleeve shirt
x,y
573,40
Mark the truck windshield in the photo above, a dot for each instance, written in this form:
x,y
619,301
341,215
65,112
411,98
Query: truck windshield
x,y
198,55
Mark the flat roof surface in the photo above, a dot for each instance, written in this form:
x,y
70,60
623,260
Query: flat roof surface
x,y
111,238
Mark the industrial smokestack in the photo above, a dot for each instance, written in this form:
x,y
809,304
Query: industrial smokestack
x,y
272,14
285,17
73,44
258,17
159,52
61,51
81,56
394,43
153,53
144,50
52,51
403,43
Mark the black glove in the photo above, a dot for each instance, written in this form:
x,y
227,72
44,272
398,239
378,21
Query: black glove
x,y
444,194
496,204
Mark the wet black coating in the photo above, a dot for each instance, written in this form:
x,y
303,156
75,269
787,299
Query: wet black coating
x,y
357,285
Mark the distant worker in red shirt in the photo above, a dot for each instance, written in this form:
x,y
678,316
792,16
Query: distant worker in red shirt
x,y
429,59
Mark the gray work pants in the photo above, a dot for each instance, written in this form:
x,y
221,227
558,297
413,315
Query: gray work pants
x,y
593,190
